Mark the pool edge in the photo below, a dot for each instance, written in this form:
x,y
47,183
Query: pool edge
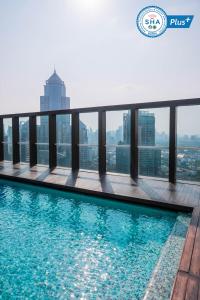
x,y
164,273
117,197
187,281
179,288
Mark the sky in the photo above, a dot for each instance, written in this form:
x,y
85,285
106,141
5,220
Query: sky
x,y
97,50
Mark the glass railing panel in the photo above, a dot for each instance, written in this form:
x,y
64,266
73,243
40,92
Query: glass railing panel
x,y
118,158
118,141
24,140
7,139
153,142
188,163
88,141
153,161
188,143
43,140
88,155
63,140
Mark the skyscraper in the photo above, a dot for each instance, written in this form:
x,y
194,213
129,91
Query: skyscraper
x,y
149,158
54,94
55,99
123,149
83,149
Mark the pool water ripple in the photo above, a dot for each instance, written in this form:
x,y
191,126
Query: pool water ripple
x,y
58,245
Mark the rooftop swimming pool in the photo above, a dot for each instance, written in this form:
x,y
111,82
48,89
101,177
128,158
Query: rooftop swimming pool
x,y
60,245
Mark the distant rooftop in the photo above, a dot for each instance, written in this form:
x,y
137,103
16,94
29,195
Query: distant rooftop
x,y
54,79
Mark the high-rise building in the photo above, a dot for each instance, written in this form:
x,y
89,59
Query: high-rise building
x,y
149,158
84,150
146,129
123,149
126,128
55,99
54,94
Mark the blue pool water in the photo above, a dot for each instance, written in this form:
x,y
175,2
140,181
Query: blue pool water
x,y
58,245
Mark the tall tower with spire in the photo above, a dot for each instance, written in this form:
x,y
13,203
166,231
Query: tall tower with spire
x,y
54,94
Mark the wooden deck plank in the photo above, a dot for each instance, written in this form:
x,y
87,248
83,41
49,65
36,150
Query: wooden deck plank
x,y
199,292
189,242
180,286
189,268
195,263
192,289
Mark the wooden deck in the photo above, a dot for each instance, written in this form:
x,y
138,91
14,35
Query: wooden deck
x,y
187,283
145,191
153,192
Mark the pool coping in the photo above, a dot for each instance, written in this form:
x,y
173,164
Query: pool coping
x,y
163,276
101,194
187,281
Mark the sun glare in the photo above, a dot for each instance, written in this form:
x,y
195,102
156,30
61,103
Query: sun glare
x,y
90,6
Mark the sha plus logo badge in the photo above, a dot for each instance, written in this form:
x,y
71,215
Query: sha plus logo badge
x,y
152,21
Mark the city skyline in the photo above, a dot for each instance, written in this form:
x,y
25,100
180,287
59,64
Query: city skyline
x,y
153,145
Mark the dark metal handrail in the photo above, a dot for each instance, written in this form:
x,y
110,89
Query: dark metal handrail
x,y
143,105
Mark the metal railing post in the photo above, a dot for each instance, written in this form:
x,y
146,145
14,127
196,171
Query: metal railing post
x,y
102,141
75,141
15,140
52,142
134,143
32,141
1,140
172,145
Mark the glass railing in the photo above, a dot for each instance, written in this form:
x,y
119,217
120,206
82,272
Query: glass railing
x,y
88,157
64,155
153,161
8,153
188,164
157,139
118,158
42,153
24,152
